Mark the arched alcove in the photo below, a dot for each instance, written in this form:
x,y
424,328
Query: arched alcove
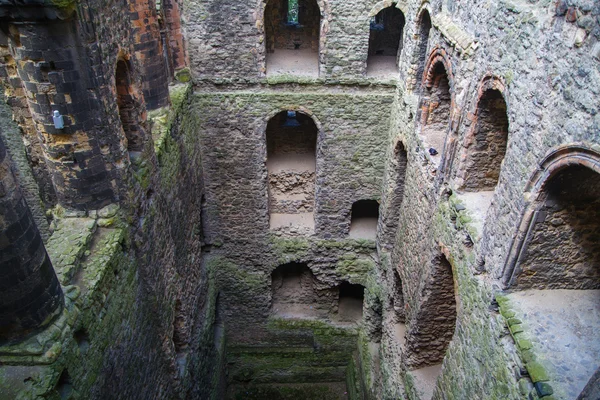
x,y
385,42
398,309
394,196
398,299
485,145
432,328
555,285
363,220
423,41
435,108
563,247
293,291
291,164
128,107
292,37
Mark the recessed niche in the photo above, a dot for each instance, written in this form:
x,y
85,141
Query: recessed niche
x,y
291,166
364,217
293,293
351,298
292,37
385,42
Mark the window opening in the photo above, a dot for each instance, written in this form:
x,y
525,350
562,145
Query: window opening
x,y
292,15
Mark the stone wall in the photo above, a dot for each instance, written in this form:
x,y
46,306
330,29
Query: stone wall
x,y
562,250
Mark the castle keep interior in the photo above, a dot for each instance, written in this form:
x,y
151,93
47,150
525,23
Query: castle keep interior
x,y
300,199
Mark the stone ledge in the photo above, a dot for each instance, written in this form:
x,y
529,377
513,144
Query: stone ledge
x,y
463,41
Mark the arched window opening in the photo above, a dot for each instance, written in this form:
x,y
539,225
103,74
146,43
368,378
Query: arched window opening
x,y
563,250
556,288
293,291
394,196
436,111
398,299
398,311
128,108
351,298
385,42
292,12
424,28
291,166
363,221
292,37
64,386
433,329
486,147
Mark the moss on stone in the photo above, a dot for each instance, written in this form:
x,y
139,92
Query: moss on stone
x,y
537,371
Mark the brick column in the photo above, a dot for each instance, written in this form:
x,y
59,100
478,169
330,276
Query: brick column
x,y
149,53
174,35
55,73
30,294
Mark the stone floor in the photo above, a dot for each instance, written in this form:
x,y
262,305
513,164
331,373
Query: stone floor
x,y
564,326
302,223
291,162
382,66
425,379
363,228
400,333
477,204
293,62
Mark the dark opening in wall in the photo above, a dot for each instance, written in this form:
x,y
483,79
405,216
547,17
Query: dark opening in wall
x,y
385,41
556,286
293,290
486,145
432,328
350,306
398,299
128,107
395,196
82,339
436,104
424,28
291,165
64,386
563,250
292,37
179,337
363,222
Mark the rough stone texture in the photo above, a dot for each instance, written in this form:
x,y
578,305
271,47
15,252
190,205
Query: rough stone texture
x,y
31,296
563,251
487,145
175,45
281,34
149,52
14,93
197,239
385,37
433,326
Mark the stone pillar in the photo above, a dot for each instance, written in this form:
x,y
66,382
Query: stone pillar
x,y
149,53
30,294
175,37
57,75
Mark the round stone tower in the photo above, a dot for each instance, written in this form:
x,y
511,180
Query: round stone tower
x,y
30,294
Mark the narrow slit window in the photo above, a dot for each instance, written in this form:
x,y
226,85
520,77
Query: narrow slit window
x,y
292,16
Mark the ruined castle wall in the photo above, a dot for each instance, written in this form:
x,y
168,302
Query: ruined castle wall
x,y
548,94
226,41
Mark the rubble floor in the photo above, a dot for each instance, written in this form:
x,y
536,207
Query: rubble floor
x,y
565,329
